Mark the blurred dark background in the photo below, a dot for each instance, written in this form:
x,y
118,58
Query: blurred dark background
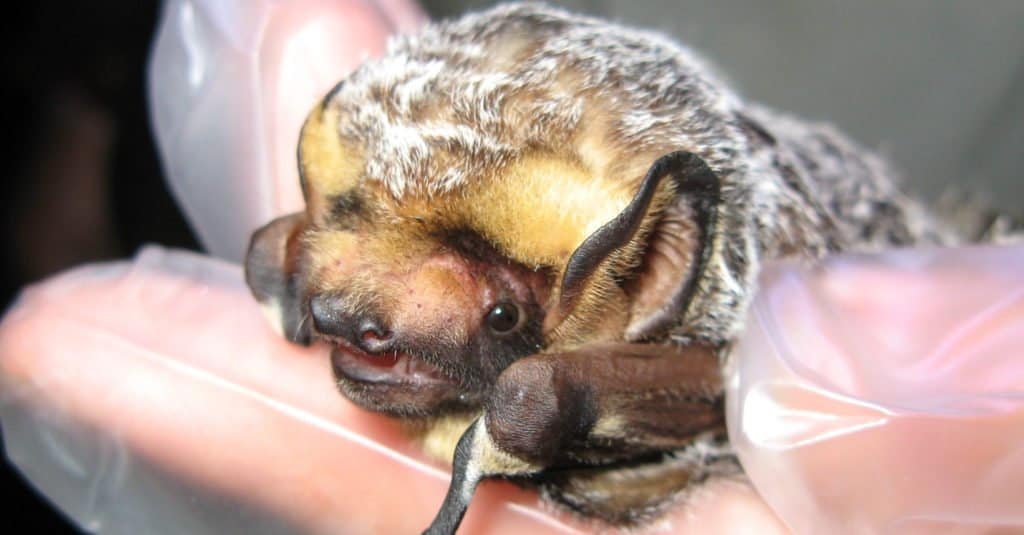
x,y
82,181
936,86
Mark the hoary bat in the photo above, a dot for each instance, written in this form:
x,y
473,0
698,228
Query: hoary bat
x,y
534,235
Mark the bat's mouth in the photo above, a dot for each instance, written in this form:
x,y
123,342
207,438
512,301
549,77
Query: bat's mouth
x,y
394,382
391,367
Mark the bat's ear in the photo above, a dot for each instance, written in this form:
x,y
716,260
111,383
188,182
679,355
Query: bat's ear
x,y
674,247
272,271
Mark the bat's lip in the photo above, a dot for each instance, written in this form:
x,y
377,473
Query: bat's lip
x,y
398,384
393,368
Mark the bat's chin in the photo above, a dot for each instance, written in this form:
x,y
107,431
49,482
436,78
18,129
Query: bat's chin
x,y
394,383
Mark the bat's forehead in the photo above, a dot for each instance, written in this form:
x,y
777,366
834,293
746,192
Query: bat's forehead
x,y
536,203
534,189
535,210
484,89
428,126
527,125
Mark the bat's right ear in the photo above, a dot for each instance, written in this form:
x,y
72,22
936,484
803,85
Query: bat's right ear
x,y
678,252
272,271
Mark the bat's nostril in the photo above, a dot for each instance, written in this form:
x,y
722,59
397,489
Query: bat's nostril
x,y
373,338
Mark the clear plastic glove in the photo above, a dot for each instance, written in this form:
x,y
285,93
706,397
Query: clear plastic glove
x,y
886,394
229,86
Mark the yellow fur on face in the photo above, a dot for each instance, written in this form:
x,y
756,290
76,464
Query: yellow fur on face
x,y
332,253
541,208
328,167
436,301
536,210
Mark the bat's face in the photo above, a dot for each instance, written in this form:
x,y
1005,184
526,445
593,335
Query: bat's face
x,y
422,316
427,298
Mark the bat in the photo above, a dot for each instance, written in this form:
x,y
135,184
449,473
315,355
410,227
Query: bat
x,y
533,236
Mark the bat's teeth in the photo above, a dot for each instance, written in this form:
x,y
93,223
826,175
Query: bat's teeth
x,y
423,370
391,367
393,360
387,361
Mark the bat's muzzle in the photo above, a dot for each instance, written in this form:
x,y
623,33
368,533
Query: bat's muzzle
x,y
364,331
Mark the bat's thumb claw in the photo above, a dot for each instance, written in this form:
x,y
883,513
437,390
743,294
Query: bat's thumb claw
x,y
465,477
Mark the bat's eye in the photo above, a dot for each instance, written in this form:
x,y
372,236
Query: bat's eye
x,y
503,318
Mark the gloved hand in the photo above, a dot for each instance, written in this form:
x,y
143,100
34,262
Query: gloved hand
x,y
885,394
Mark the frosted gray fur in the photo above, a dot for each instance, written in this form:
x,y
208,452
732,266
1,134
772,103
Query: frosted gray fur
x,y
467,95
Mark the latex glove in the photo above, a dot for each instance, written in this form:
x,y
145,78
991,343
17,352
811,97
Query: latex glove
x,y
230,84
885,394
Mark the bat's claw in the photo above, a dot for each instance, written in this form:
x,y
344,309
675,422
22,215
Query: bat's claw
x,y
465,477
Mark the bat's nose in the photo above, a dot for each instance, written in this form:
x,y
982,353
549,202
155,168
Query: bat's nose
x,y
363,331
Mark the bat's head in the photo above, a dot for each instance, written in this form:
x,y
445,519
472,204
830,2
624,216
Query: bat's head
x,y
427,296
477,195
